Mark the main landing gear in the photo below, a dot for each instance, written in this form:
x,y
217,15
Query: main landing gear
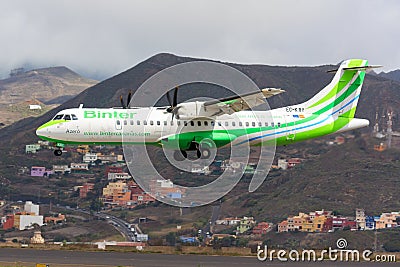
x,y
203,152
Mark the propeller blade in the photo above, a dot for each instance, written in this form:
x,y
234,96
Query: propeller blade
x,y
129,99
122,101
169,99
175,103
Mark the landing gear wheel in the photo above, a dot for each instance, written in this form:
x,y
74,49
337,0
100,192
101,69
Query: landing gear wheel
x,y
180,155
204,152
58,152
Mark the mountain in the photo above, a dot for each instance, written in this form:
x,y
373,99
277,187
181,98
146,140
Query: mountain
x,y
392,75
44,85
48,86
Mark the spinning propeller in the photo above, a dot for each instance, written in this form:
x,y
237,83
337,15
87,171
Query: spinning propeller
x,y
173,105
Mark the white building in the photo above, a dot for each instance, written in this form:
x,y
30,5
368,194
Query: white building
x,y
107,158
89,157
32,148
79,166
165,183
119,176
26,221
31,208
200,169
142,237
34,107
283,164
360,218
228,221
61,169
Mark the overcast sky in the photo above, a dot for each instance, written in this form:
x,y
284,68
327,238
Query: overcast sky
x,y
102,38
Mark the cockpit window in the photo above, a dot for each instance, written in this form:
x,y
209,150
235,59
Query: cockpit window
x,y
74,117
67,117
58,117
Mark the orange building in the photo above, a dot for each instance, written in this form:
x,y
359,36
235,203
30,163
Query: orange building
x,y
261,228
85,189
283,227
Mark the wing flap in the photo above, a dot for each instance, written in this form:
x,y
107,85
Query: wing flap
x,y
233,104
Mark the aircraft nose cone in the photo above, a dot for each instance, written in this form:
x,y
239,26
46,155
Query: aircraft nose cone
x,y
41,131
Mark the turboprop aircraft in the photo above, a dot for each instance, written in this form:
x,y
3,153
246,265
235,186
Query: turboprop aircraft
x,y
203,125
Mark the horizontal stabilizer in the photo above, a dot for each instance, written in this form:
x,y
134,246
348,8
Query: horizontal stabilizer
x,y
357,68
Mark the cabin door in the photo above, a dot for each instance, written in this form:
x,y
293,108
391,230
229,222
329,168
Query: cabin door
x,y
290,127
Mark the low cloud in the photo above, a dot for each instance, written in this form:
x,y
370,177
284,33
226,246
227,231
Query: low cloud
x,y
102,38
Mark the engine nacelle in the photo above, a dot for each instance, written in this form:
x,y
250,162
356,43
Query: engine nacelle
x,y
193,110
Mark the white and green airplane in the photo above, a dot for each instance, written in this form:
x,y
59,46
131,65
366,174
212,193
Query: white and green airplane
x,y
201,125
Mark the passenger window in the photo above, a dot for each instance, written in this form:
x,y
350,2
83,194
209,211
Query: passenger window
x,y
172,123
118,122
247,124
158,123
192,123
272,124
279,124
185,123
165,123
178,123
205,123
74,117
226,123
233,123
219,123
266,124
67,117
58,117
151,123
198,123
125,122
212,123
144,122
259,123
131,122
240,123
253,124
138,122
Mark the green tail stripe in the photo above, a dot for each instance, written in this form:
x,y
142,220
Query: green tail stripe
x,y
353,87
343,82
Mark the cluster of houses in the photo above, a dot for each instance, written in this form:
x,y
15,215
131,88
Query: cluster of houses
x,y
26,217
87,160
246,225
325,221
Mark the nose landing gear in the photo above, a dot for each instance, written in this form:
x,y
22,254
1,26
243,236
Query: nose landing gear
x,y
58,149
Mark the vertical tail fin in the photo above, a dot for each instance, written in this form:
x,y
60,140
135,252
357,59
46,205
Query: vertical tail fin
x,y
340,96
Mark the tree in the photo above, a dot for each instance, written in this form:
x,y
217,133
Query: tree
x,y
227,241
171,238
96,205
